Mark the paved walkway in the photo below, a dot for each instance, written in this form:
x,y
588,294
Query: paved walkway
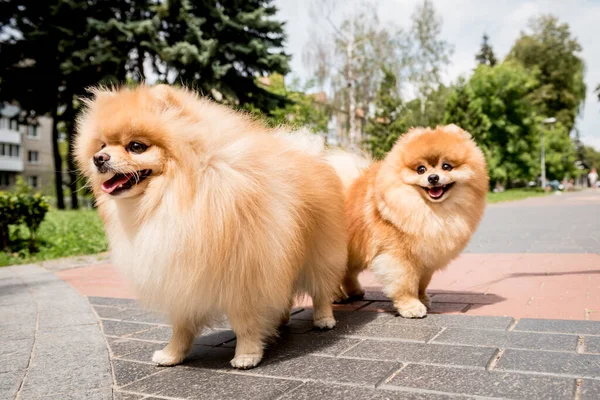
x,y
531,259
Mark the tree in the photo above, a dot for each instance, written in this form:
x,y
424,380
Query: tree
x,y
303,111
389,121
428,54
591,157
221,47
551,50
35,39
486,56
349,59
598,92
495,107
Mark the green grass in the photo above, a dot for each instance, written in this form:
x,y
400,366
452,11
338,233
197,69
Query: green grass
x,y
62,234
514,194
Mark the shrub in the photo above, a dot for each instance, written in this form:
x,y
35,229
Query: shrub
x,y
21,208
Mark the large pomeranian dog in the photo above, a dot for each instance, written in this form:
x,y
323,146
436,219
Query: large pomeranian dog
x,y
209,213
412,213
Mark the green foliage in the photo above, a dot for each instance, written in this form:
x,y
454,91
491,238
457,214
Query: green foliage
x,y
21,208
302,110
428,55
591,157
494,106
61,234
389,121
486,55
550,49
220,47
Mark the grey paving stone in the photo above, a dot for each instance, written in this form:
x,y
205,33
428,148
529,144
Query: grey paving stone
x,y
311,344
120,328
483,383
457,321
127,396
68,355
10,382
349,317
394,332
144,354
326,369
74,394
18,331
14,353
504,339
559,326
591,344
208,338
205,357
568,364
127,372
151,318
108,312
193,383
299,326
121,347
311,391
109,301
590,390
477,357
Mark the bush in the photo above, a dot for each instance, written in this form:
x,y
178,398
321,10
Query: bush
x,y
21,208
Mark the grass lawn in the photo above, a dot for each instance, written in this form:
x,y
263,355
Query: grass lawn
x,y
514,194
62,234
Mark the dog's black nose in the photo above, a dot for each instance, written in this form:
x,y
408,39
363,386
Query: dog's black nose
x,y
100,159
433,178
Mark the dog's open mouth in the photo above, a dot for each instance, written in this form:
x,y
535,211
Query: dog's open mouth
x,y
437,192
123,182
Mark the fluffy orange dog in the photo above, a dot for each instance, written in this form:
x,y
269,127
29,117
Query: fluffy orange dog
x,y
209,213
412,213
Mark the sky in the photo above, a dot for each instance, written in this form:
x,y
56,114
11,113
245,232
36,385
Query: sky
x,y
464,22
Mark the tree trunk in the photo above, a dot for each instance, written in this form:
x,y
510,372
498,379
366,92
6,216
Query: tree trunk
x,y
72,170
60,201
71,166
140,64
353,129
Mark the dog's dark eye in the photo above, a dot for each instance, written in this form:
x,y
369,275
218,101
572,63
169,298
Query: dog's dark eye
x,y
421,170
447,167
136,147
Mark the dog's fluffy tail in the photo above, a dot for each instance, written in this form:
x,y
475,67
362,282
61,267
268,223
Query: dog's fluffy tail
x,y
349,166
303,140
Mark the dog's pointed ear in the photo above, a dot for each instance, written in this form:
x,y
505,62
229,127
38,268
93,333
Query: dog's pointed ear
x,y
167,96
457,129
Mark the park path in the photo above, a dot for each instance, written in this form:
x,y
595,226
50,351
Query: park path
x,y
517,316
534,258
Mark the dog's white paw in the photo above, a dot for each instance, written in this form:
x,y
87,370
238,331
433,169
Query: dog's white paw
x,y
324,323
166,359
246,361
413,309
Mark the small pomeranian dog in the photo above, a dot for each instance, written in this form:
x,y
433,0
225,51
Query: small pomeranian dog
x,y
209,213
410,214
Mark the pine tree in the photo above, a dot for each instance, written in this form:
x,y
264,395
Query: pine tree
x,y
486,54
220,47
389,121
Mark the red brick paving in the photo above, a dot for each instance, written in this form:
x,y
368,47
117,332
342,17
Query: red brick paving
x,y
557,286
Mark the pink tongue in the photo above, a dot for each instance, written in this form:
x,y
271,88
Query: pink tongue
x,y
110,185
436,192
